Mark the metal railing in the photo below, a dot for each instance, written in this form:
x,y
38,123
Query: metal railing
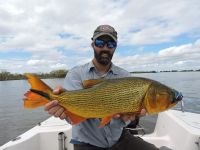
x,y
61,141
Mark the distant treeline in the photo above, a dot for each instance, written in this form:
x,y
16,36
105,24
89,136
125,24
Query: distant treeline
x,y
165,71
181,70
4,75
143,72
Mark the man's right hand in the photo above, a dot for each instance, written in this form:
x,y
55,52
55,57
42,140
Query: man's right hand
x,y
53,108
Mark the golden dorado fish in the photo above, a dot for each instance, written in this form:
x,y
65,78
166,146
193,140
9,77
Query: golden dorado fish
x,y
105,98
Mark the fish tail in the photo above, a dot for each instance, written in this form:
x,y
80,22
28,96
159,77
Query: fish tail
x,y
39,93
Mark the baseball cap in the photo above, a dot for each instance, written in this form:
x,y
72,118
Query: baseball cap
x,y
105,30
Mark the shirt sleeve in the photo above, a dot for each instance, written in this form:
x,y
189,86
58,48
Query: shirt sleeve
x,y
119,123
73,80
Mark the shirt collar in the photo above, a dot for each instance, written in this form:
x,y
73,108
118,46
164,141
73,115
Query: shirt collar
x,y
113,69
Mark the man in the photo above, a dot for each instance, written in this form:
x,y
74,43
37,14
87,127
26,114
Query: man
x,y
87,135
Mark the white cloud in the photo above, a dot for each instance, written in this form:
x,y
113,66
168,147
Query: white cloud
x,y
38,62
179,57
34,26
33,23
59,66
184,50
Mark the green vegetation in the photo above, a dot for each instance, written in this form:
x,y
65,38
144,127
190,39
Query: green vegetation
x,y
143,72
4,75
166,71
190,70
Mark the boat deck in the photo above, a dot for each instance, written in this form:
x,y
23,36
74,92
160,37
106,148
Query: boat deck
x,y
174,129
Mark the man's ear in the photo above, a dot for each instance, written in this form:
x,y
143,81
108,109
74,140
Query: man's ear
x,y
92,44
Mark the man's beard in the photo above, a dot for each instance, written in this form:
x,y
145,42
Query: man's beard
x,y
102,59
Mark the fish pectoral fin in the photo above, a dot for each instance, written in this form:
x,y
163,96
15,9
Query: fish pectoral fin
x,y
75,119
105,121
90,83
34,100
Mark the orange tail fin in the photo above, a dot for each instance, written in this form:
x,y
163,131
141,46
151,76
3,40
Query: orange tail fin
x,y
39,93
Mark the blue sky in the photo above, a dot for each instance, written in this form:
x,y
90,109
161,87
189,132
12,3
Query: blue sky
x,y
41,36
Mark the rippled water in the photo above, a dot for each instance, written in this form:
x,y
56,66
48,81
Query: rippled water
x,y
15,120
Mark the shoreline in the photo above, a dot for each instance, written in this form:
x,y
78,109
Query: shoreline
x,y
7,76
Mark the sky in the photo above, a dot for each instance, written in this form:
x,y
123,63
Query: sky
x,y
45,35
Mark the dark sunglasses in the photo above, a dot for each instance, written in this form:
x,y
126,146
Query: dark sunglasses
x,y
101,43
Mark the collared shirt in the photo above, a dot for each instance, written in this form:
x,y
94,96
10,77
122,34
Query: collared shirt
x,y
89,131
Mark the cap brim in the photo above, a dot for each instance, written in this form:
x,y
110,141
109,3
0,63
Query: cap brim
x,y
103,33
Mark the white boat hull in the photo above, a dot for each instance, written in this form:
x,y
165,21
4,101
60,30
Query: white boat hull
x,y
174,129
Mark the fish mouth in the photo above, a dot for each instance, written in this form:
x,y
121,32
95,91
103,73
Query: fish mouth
x,y
178,97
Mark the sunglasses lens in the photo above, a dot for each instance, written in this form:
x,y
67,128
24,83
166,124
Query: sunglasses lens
x,y
111,44
99,43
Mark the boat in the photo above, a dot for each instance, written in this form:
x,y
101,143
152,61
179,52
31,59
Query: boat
x,y
174,129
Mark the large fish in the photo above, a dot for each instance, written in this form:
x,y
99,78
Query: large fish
x,y
105,98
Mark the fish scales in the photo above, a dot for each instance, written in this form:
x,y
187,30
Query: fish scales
x,y
107,98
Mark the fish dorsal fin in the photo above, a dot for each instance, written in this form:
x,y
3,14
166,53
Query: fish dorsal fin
x,y
91,82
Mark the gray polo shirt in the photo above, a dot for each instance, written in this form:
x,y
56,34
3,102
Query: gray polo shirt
x,y
88,131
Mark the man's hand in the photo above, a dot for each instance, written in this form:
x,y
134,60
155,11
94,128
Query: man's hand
x,y
53,108
129,116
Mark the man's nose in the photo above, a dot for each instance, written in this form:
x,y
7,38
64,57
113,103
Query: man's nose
x,y
105,47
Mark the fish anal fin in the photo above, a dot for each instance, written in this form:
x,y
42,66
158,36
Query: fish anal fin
x,y
75,119
105,121
34,100
90,83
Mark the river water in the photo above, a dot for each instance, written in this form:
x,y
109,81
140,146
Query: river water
x,y
15,120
